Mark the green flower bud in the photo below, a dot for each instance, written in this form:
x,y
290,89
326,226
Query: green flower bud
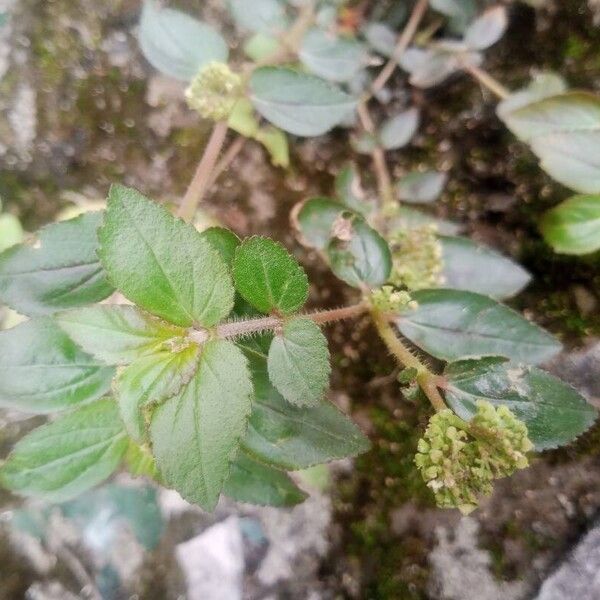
x,y
387,299
459,460
417,258
214,91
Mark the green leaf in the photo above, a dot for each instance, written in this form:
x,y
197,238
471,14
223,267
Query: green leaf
x,y
487,29
268,277
334,58
176,44
260,46
11,232
116,334
554,412
543,85
411,218
150,380
42,370
314,218
421,188
267,16
397,131
573,227
381,38
570,112
349,190
68,456
289,437
299,362
276,144
298,103
196,433
223,241
140,462
452,324
362,260
60,270
255,483
476,268
161,263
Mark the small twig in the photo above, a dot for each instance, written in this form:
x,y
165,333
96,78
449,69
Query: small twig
x,y
488,81
202,177
403,41
228,157
235,329
426,379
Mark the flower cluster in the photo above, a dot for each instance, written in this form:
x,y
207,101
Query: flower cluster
x,y
214,91
459,460
389,300
417,258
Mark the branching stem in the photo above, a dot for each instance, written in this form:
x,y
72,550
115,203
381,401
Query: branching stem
x,y
203,175
228,157
241,328
488,81
426,379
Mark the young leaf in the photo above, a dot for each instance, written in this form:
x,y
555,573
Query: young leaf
x,y
223,241
573,227
60,460
196,433
293,438
381,38
397,131
475,268
268,277
299,362
451,324
61,270
421,188
11,231
255,483
115,334
150,380
42,370
161,263
487,29
363,258
260,46
176,44
266,16
298,103
331,57
554,412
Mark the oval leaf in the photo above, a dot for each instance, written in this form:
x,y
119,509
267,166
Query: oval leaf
x,y
299,362
117,335
62,459
61,270
573,227
256,483
177,44
487,29
475,268
298,103
314,219
161,263
349,190
331,57
542,86
421,188
451,324
42,370
554,412
196,433
397,131
266,16
363,257
268,277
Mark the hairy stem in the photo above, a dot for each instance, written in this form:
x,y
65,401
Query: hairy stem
x,y
403,41
202,177
235,329
425,378
488,81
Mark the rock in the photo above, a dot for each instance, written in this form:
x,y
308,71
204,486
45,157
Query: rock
x,y
213,562
460,567
579,576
